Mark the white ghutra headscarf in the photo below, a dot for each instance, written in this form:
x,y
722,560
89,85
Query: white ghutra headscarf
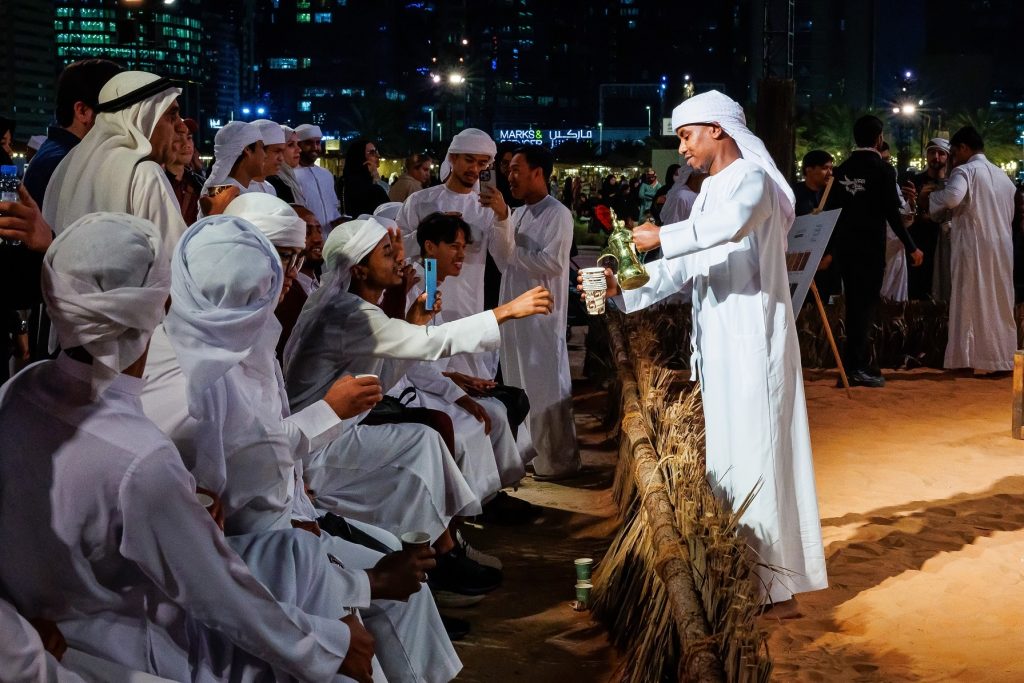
x,y
714,107
105,282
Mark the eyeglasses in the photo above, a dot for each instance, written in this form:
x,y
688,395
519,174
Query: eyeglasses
x,y
294,260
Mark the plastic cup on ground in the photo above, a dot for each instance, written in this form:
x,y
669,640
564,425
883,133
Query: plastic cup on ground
x,y
583,595
584,565
415,539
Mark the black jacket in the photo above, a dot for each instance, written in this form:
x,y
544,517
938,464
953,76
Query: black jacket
x,y
864,187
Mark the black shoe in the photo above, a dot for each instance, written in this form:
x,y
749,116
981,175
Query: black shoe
x,y
503,509
862,378
456,628
457,573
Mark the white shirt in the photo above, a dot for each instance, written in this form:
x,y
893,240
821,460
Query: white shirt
x,y
146,579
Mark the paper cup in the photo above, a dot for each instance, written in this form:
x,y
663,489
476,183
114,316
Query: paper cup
x,y
583,595
415,539
368,374
595,301
205,500
583,567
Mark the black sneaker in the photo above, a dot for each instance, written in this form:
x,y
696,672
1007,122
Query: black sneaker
x,y
457,573
862,378
456,628
506,510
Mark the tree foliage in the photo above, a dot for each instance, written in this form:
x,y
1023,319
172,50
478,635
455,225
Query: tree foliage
x,y
996,129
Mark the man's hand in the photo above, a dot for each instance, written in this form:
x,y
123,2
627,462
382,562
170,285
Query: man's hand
x,y
350,396
213,206
409,278
397,246
610,281
23,222
217,509
647,237
909,192
826,261
474,386
22,352
357,663
476,410
373,168
400,574
53,639
536,301
493,200
418,313
917,258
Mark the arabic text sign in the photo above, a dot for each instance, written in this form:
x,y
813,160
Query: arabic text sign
x,y
537,136
806,245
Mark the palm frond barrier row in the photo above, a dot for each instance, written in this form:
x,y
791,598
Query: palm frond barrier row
x,y
677,586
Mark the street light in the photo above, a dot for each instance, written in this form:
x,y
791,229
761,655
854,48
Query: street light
x,y
648,120
600,137
431,124
456,78
908,109
440,132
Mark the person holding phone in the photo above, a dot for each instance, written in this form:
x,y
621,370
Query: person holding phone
x,y
360,179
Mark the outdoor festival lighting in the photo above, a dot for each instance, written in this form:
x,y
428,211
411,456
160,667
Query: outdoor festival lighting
x,y
908,109
435,78
261,110
895,110
456,78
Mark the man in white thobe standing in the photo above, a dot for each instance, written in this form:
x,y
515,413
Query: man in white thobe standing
x,y
116,166
982,331
534,250
745,352
317,184
471,152
146,579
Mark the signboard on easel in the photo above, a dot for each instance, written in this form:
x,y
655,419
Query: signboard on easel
x,y
805,246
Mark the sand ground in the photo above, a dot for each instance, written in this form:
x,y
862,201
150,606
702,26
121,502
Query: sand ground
x,y
921,495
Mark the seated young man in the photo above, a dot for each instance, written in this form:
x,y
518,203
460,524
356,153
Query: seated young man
x,y
100,523
343,331
478,417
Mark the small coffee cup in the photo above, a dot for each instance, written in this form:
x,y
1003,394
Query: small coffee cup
x,y
205,499
584,565
415,539
583,596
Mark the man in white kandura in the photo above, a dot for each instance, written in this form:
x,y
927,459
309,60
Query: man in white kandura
x,y
982,331
316,184
116,166
274,141
745,352
471,152
534,250
145,577
239,152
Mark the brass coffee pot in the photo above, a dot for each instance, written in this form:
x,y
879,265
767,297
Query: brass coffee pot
x,y
631,273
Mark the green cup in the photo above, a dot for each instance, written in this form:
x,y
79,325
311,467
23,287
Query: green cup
x,y
583,595
583,567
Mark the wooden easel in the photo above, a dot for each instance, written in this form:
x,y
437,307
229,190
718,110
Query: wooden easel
x,y
821,307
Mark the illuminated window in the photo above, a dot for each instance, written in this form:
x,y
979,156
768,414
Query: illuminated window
x,y
305,105
302,17
281,63
302,4
306,62
322,17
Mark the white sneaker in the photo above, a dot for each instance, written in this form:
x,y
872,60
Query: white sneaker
x,y
476,555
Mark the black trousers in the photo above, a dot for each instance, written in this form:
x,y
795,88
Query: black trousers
x,y
862,284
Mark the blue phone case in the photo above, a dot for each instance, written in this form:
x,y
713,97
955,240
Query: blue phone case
x,y
430,271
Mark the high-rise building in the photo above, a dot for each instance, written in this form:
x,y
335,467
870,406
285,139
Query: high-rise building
x,y
28,65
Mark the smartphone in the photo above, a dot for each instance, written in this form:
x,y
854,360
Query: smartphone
x,y
488,179
430,272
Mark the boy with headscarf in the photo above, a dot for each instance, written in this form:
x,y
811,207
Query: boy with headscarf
x,y
146,579
116,166
745,355
274,141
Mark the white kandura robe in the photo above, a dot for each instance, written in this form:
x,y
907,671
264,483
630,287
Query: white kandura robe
x,y
894,281
146,578
746,357
463,295
532,251
262,186
397,476
982,331
411,640
318,188
489,462
678,204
